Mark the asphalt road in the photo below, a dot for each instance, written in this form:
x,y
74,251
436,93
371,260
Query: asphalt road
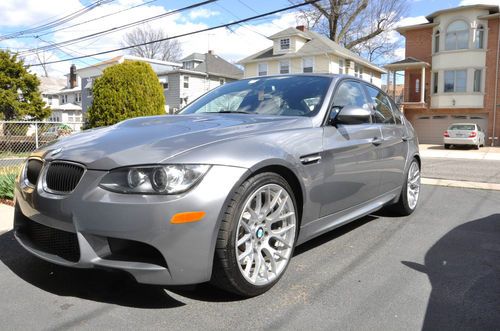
x,y
435,270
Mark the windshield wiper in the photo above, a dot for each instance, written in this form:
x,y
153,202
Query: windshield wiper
x,y
233,112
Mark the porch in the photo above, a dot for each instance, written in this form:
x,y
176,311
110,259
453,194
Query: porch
x,y
415,92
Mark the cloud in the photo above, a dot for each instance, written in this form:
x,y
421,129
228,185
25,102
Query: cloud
x,y
232,44
203,13
479,2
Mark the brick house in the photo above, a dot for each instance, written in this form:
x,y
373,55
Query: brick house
x,y
451,71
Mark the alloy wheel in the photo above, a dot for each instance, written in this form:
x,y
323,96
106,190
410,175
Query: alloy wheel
x,y
413,185
265,234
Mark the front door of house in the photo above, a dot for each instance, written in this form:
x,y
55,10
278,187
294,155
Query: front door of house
x,y
415,85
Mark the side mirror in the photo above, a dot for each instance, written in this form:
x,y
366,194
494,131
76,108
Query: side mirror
x,y
350,115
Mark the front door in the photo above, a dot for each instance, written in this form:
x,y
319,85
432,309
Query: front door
x,y
415,85
350,157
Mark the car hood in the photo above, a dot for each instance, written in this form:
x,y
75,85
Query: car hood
x,y
156,139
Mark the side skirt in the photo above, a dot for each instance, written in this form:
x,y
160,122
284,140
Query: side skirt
x,y
333,221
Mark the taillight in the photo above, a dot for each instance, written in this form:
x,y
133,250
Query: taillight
x,y
472,134
446,134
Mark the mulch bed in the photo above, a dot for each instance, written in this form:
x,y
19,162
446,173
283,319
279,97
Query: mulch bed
x,y
7,202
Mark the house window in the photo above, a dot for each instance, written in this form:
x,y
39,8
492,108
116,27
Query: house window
x,y
164,82
477,80
436,41
417,85
479,37
341,66
64,98
285,43
284,67
371,77
308,64
262,69
457,36
50,99
435,82
78,97
186,81
455,80
358,70
222,81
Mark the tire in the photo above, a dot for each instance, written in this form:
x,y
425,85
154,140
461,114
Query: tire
x,y
447,146
232,259
405,205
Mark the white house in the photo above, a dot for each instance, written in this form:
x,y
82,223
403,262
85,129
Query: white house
x,y
298,50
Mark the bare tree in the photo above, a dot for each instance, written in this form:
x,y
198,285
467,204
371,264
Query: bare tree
x,y
358,25
167,50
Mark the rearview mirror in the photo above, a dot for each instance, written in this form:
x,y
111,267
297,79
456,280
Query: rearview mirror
x,y
349,115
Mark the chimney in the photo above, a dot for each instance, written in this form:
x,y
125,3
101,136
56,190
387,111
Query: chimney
x,y
301,28
72,76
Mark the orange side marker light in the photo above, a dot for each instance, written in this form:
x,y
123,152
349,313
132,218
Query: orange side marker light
x,y
187,217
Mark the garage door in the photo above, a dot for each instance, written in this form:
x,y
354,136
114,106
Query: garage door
x,y
430,128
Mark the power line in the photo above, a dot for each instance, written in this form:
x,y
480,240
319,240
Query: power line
x,y
117,28
184,34
57,22
91,20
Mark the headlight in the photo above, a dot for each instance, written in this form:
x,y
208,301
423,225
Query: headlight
x,y
161,179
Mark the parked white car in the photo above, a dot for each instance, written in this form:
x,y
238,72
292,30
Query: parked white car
x,y
464,134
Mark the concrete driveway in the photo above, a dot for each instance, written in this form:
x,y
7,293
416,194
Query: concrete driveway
x,y
435,270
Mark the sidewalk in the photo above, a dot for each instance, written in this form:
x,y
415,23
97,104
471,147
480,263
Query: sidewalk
x,y
484,153
6,218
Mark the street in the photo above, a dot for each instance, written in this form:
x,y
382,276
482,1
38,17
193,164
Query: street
x,y
435,270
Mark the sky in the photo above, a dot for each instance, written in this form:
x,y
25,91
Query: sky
x,y
232,44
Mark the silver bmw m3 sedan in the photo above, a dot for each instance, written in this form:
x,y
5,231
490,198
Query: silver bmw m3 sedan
x,y
225,190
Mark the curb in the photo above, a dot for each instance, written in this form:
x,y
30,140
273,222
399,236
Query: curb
x,y
461,184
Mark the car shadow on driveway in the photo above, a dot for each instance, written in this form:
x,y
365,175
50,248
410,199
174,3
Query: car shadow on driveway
x,y
106,286
464,270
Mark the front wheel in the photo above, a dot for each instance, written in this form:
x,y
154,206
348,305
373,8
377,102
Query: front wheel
x,y
257,236
410,193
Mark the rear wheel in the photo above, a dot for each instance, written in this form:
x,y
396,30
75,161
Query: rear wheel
x,y
408,200
257,236
447,146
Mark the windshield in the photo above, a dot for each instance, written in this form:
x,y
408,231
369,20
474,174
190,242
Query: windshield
x,y
283,95
462,127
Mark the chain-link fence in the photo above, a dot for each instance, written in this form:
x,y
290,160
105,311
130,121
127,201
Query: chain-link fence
x,y
19,138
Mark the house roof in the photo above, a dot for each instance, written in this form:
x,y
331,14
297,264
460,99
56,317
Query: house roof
x,y
68,106
290,32
492,12
492,9
317,44
407,63
194,57
212,64
215,65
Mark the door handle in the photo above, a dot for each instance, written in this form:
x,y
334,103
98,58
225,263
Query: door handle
x,y
377,141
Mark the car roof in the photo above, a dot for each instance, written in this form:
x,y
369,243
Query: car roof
x,y
463,124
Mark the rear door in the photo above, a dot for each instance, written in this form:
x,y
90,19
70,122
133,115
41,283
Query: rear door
x,y
394,147
350,158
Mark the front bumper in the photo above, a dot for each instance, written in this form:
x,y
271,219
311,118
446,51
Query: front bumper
x,y
94,218
461,141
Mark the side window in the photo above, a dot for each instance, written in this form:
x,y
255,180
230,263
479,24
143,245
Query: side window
x,y
383,111
397,114
349,93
